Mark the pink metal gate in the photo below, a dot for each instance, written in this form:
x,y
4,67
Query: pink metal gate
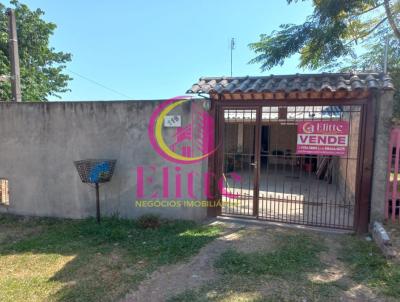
x,y
392,198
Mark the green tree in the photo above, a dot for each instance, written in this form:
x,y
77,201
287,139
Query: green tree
x,y
373,60
41,66
333,31
330,37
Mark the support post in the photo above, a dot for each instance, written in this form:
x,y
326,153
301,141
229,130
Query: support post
x,y
14,57
365,169
257,161
97,203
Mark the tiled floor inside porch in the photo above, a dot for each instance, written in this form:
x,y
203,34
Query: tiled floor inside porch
x,y
290,196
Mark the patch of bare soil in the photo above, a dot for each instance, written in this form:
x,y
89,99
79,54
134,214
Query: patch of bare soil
x,y
393,230
171,280
199,271
337,273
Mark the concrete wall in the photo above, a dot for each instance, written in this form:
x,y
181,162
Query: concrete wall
x,y
384,108
231,138
40,141
282,137
347,166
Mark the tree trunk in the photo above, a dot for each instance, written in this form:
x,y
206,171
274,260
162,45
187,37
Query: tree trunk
x,y
391,19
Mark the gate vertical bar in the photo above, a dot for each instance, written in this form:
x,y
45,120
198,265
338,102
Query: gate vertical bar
x,y
392,184
388,181
395,176
365,166
219,162
210,177
257,160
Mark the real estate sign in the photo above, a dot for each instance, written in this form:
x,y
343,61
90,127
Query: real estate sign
x,y
322,137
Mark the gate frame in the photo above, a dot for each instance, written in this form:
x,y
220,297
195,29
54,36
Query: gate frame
x,y
364,158
392,187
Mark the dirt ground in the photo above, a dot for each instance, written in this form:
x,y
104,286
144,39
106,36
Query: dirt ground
x,y
173,279
394,232
199,273
49,259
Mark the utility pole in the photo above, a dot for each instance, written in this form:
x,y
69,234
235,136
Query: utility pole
x,y
385,56
14,56
232,48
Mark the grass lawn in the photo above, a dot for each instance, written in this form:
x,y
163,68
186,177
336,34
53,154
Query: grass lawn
x,y
368,266
70,260
302,266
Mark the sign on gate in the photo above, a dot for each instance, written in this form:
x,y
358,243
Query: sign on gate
x,y
322,137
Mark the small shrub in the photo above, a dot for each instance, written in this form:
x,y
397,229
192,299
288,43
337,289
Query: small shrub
x,y
149,221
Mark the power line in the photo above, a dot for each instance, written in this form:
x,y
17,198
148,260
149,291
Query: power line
x,y
99,84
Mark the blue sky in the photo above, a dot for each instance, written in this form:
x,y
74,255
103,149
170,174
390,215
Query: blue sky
x,y
157,49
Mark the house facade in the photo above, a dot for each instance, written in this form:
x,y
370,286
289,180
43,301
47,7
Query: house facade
x,y
301,149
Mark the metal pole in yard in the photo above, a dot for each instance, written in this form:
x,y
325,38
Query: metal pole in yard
x,y
97,203
14,56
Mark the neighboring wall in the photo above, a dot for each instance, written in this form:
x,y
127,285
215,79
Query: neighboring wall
x,y
383,102
347,165
40,141
282,138
231,138
384,108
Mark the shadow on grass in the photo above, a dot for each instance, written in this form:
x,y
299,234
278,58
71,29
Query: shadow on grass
x,y
103,261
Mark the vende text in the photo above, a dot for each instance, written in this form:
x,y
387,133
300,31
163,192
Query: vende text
x,y
322,137
330,140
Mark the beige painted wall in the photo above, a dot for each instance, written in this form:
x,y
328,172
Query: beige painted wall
x,y
41,141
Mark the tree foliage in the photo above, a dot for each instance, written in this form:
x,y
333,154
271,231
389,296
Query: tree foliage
x,y
328,39
373,60
330,33
41,66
